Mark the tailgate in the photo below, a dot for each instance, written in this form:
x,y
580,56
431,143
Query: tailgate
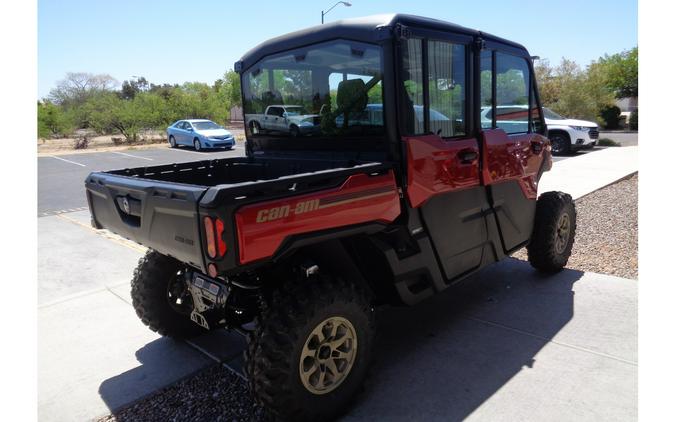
x,y
160,215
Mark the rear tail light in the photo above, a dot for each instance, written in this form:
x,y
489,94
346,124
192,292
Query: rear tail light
x,y
220,242
215,244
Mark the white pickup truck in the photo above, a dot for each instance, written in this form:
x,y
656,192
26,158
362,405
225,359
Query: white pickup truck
x,y
286,119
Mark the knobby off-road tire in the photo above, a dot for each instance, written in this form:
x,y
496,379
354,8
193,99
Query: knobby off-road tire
x,y
291,325
555,225
155,303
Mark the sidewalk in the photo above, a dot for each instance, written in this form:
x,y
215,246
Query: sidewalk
x,y
511,345
587,173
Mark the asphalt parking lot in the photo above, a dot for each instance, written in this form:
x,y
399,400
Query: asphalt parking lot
x,y
61,177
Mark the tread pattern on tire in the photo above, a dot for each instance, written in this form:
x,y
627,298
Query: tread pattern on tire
x,y
288,309
149,297
541,249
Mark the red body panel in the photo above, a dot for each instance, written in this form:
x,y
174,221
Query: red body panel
x,y
434,167
515,157
262,228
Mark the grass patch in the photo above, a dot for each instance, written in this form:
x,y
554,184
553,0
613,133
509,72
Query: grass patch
x,y
606,142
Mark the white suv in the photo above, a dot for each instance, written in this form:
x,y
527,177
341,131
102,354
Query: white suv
x,y
566,135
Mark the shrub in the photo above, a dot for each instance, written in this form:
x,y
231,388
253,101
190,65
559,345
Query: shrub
x,y
610,115
633,120
606,142
81,143
53,122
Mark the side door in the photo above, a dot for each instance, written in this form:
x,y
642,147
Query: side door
x,y
188,133
515,151
443,177
179,133
272,117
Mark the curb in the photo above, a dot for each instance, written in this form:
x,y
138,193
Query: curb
x,y
628,176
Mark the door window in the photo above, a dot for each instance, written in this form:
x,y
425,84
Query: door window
x,y
513,93
434,87
413,86
486,89
447,82
514,107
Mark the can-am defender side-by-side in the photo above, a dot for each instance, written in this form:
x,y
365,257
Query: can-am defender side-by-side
x,y
394,188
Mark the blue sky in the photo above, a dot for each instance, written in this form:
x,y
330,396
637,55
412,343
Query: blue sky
x,y
172,41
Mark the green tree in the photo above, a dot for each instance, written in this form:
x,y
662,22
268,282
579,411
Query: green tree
x,y
132,87
52,120
621,71
572,91
232,88
109,113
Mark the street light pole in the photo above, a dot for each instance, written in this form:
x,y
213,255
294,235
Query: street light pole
x,y
346,4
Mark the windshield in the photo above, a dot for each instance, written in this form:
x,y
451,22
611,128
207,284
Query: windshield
x,y
549,114
205,125
326,90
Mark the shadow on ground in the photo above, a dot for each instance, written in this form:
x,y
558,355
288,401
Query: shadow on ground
x,y
443,358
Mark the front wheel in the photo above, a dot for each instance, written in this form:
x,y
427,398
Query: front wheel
x,y
160,297
555,225
560,144
197,145
311,349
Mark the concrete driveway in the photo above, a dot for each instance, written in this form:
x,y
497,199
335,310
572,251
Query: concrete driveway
x,y
505,345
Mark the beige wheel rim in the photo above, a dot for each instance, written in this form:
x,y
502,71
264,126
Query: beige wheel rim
x,y
328,355
562,234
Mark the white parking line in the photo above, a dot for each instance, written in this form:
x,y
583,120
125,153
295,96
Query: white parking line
x,y
67,161
132,156
185,150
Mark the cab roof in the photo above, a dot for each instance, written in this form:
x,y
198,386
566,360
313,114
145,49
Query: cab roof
x,y
373,29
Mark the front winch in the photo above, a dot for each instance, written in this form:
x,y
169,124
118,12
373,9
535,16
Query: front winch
x,y
209,297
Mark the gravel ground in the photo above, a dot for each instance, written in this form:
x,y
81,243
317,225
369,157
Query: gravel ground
x,y
214,394
607,231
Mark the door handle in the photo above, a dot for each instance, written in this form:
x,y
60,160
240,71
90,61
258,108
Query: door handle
x,y
467,156
537,146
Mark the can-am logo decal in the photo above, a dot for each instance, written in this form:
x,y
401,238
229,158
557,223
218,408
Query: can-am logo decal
x,y
302,207
276,213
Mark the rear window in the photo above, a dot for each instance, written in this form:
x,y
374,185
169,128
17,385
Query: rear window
x,y
328,90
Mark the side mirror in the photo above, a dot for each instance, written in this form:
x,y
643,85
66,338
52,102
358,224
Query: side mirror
x,y
285,115
190,129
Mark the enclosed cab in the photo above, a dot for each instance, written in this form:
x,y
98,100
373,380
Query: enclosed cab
x,y
407,179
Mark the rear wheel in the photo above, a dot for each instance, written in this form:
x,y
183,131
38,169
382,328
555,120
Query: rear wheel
x,y
172,141
160,297
311,349
197,145
560,143
555,225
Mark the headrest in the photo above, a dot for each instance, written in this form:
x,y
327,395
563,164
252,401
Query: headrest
x,y
352,95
